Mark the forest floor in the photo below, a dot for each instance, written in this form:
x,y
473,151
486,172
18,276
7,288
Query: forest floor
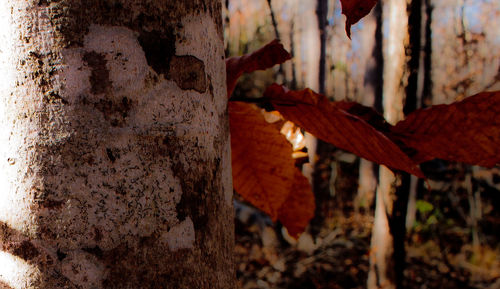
x,y
440,251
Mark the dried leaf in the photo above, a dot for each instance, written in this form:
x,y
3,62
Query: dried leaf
x,y
467,131
263,169
264,172
271,54
367,114
354,10
332,122
299,207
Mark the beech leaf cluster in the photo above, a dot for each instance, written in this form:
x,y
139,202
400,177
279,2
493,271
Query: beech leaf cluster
x,y
265,174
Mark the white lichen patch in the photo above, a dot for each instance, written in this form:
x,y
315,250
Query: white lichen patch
x,y
124,57
181,236
200,36
191,115
121,202
83,269
76,75
120,186
124,60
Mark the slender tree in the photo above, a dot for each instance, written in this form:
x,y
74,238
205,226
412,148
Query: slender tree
x,y
384,270
371,93
115,153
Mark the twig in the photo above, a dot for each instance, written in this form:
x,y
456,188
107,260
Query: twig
x,y
273,19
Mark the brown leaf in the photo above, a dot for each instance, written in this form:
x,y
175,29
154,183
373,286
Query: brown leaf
x,y
263,169
367,114
467,131
332,122
298,208
271,54
354,10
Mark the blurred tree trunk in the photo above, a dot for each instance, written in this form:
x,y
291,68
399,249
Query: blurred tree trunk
x,y
419,81
384,272
311,47
322,12
116,161
321,149
371,91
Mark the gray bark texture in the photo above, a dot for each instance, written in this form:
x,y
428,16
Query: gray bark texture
x,y
115,155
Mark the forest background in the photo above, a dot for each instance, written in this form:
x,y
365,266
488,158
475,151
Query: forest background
x,y
451,51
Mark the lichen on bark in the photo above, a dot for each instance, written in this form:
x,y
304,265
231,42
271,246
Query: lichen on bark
x,y
121,152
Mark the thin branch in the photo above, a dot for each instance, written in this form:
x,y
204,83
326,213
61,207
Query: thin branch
x,y
273,19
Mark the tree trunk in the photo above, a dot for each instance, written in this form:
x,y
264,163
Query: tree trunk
x,y
383,273
309,39
371,92
321,13
115,158
318,150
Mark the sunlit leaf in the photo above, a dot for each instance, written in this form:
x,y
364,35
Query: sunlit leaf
x,y
263,169
332,122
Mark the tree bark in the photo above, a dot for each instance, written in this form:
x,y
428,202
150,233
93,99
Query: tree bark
x,y
385,269
115,160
